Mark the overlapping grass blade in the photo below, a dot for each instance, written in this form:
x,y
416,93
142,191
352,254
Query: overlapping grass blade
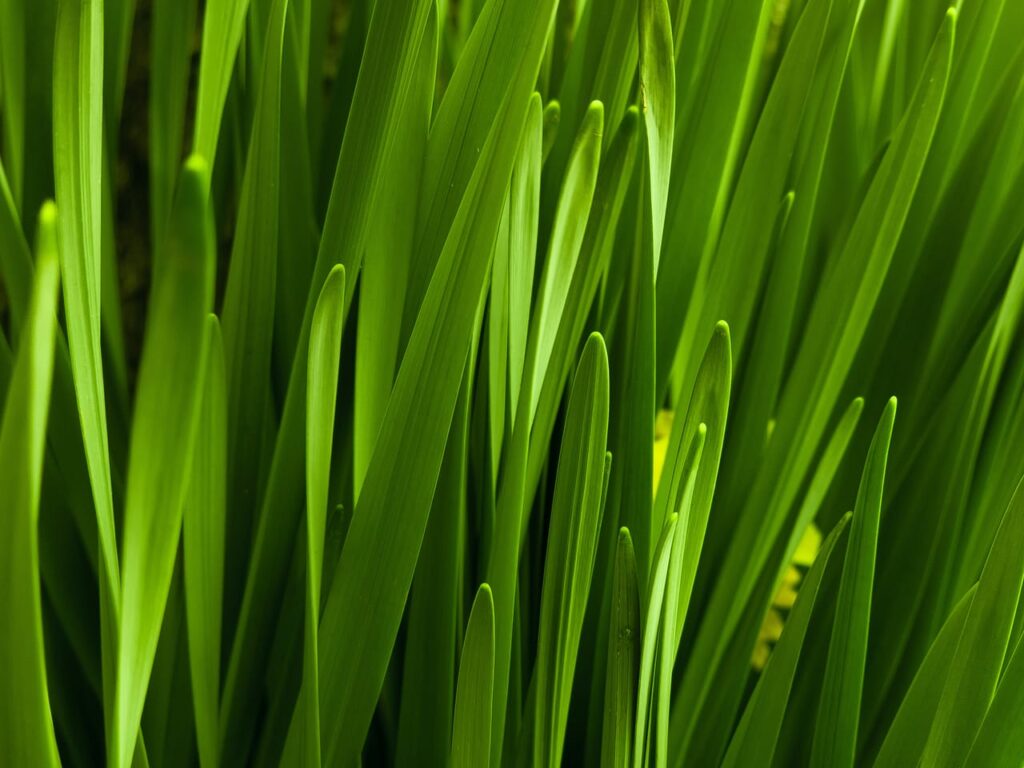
x,y
908,733
471,733
576,512
322,384
709,147
163,432
247,317
388,66
674,612
835,732
732,287
389,252
653,613
26,725
203,532
975,668
758,730
78,173
708,409
1000,741
352,674
566,239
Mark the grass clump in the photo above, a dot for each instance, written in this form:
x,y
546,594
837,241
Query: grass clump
x,y
517,382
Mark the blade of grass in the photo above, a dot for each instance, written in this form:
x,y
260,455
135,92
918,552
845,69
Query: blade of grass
x,y
653,614
835,732
1000,740
909,729
674,615
386,268
566,240
247,316
472,730
26,725
388,69
623,657
658,100
758,731
322,383
576,512
975,669
173,25
223,24
78,173
403,472
163,432
203,542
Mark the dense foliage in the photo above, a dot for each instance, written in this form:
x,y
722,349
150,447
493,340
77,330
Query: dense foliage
x,y
514,384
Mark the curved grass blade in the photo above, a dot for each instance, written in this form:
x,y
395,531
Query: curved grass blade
x,y
708,409
78,163
576,512
674,613
758,731
909,729
388,66
835,732
1001,739
567,236
609,198
385,269
471,734
623,658
733,283
512,281
406,462
975,669
26,724
321,399
203,531
162,439
836,327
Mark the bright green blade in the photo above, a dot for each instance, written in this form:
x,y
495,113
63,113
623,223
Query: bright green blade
x,y
203,532
322,386
576,511
1001,740
654,612
471,733
163,432
835,732
223,24
78,173
623,658
26,725
975,668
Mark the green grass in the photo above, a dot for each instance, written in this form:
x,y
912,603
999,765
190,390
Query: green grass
x,y
516,383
